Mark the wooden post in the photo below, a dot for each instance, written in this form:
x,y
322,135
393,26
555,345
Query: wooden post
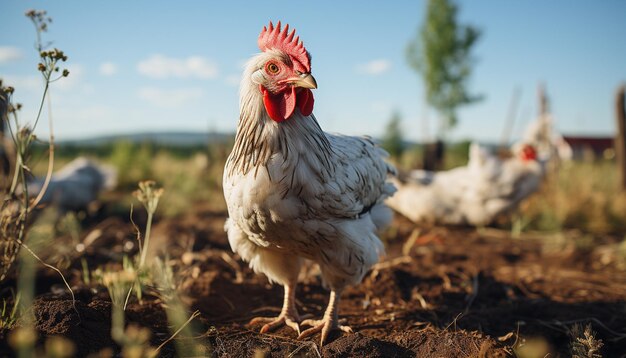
x,y
5,165
544,102
620,138
4,109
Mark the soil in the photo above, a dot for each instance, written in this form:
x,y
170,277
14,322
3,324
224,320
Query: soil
x,y
439,292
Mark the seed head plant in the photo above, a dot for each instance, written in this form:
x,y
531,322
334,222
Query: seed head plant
x,y
148,194
16,203
118,283
584,342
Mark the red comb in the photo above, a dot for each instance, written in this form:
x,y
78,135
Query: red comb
x,y
273,37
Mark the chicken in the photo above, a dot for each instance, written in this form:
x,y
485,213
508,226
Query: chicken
x,y
75,186
471,195
297,193
548,142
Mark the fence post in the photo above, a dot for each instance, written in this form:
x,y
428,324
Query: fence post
x,y
5,165
620,138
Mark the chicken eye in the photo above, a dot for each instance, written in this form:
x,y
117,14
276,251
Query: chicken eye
x,y
272,68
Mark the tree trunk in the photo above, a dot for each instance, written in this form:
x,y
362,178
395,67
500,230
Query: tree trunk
x,y
620,139
433,155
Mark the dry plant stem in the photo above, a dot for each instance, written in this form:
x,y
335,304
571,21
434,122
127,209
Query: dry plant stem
x,y
26,287
46,182
43,98
57,270
137,231
193,315
144,250
18,169
117,323
19,161
130,290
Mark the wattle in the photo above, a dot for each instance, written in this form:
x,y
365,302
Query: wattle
x,y
282,105
305,101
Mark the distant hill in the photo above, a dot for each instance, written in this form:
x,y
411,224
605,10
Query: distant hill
x,y
182,139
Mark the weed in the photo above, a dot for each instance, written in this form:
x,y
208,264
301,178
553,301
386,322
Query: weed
x,y
58,347
149,195
136,343
16,203
8,314
177,313
118,283
581,195
584,342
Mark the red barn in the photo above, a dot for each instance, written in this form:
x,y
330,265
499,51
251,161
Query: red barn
x,y
587,147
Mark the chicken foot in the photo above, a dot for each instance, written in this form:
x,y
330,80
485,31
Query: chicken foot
x,y
288,315
328,323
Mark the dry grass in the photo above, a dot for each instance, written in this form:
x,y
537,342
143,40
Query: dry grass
x,y
580,195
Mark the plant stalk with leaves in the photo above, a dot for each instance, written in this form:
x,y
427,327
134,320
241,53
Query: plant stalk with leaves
x,y
16,203
149,195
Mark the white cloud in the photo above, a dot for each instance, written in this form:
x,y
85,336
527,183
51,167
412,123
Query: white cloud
x,y
108,69
8,54
170,98
75,78
83,115
24,83
381,107
233,80
375,67
159,66
74,81
242,63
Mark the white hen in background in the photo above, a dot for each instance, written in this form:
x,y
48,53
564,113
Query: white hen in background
x,y
470,195
75,186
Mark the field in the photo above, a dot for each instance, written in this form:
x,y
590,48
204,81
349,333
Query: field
x,y
145,269
557,288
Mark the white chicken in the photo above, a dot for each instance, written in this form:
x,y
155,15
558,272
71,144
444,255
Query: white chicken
x,y
471,195
75,186
548,142
295,192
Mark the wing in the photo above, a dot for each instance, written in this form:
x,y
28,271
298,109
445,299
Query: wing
x,y
359,179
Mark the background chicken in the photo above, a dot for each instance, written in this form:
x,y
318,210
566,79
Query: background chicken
x,y
75,186
474,194
295,192
548,142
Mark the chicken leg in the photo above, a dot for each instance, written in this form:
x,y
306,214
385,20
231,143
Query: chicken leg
x,y
288,315
329,322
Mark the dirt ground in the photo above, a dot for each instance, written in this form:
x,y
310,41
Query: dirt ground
x,y
439,292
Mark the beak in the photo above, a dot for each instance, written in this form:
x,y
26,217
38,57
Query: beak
x,y
306,80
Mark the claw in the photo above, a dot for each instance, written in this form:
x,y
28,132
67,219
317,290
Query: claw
x,y
325,325
293,325
271,323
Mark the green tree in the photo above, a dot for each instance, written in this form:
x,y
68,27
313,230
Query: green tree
x,y
440,53
393,140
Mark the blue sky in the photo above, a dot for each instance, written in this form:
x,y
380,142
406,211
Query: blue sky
x,y
164,65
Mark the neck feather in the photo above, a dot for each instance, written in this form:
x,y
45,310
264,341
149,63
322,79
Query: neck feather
x,y
259,138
